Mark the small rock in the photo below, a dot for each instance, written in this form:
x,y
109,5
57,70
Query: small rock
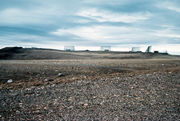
x,y
45,108
53,85
94,97
70,99
85,104
18,112
60,74
10,81
80,103
102,103
70,107
20,105
47,80
38,75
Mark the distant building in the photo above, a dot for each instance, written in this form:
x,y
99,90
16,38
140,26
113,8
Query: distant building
x,y
135,49
165,52
148,50
105,48
156,51
69,48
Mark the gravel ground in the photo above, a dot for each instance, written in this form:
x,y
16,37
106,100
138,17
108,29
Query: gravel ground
x,y
153,96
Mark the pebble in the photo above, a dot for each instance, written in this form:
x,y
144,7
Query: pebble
x,y
10,81
18,112
60,74
80,103
120,98
38,75
47,80
70,99
70,107
85,104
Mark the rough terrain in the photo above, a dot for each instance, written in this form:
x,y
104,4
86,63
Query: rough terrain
x,y
91,86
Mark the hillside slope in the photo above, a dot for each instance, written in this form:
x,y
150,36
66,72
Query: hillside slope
x,y
18,53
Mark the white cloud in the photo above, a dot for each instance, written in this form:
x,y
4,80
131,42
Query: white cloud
x,y
109,2
26,39
169,5
106,34
107,16
174,8
81,21
38,16
168,33
89,33
120,34
20,16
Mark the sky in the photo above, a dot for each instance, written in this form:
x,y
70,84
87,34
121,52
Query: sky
x,y
89,24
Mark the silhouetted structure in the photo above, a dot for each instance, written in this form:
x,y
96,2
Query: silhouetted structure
x,y
105,48
156,51
148,50
135,49
69,48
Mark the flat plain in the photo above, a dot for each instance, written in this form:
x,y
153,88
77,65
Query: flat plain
x,y
85,85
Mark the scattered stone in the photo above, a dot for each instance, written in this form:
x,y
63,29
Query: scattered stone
x,y
10,81
85,104
94,97
20,105
102,102
18,112
53,85
120,98
38,75
48,80
80,103
60,74
45,80
70,107
70,99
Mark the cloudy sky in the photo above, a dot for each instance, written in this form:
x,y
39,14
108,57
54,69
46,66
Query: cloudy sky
x,y
89,24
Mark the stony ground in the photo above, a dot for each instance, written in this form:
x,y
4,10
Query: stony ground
x,y
99,89
153,96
